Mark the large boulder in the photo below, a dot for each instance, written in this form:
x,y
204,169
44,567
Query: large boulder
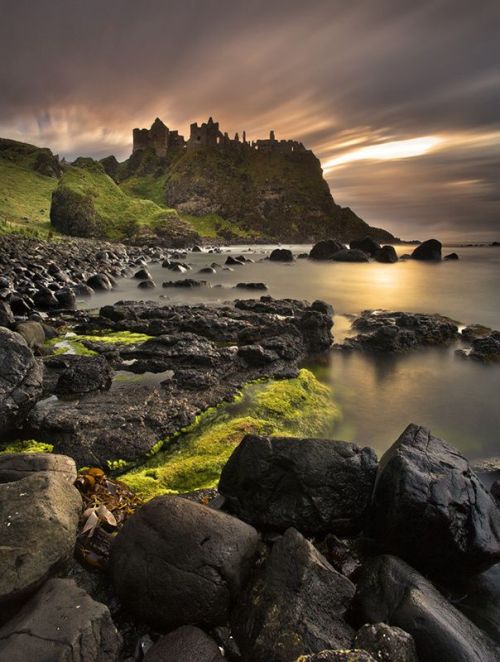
x,y
61,623
21,380
386,643
186,644
428,250
295,605
315,485
386,254
281,255
14,466
367,245
73,213
325,249
79,374
350,255
391,591
39,515
176,562
430,508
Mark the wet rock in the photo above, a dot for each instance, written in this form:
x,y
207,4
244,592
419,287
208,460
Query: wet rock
x,y
66,299
186,644
386,643
486,348
32,332
14,466
368,245
391,591
38,519
231,261
399,332
60,623
186,282
325,249
431,509
386,254
350,255
196,249
295,605
143,274
99,283
314,485
21,379
79,374
147,285
200,561
207,270
281,255
6,316
256,355
351,655
428,250
252,286
451,256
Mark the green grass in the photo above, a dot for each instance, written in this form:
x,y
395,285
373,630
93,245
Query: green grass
x,y
294,407
212,226
147,187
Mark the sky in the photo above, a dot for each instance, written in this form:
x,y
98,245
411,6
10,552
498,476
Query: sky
x,y
399,99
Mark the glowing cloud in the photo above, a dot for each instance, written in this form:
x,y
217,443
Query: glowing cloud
x,y
397,149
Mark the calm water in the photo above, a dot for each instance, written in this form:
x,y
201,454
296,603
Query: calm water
x,y
459,400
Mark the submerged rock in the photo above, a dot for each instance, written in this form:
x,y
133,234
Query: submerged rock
x,y
281,255
350,255
314,485
294,606
391,591
325,249
430,508
60,623
176,562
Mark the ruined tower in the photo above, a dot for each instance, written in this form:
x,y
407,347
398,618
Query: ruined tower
x,y
158,137
206,135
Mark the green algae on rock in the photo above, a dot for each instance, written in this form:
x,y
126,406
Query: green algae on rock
x,y
27,446
71,343
194,459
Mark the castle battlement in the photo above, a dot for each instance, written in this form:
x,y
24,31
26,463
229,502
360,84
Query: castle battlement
x,y
162,139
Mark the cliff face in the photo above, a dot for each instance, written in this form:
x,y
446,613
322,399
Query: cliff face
x,y
272,194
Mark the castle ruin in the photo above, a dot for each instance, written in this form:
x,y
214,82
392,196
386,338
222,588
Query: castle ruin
x,y
161,139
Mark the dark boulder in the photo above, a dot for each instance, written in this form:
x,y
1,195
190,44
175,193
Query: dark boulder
x,y
252,286
100,282
428,250
350,255
281,255
21,379
233,261
367,245
486,348
346,655
143,274
66,299
32,332
186,644
79,374
325,249
196,249
60,623
176,562
392,592
386,643
314,485
256,355
14,466
39,515
73,213
295,605
146,285
6,315
386,254
430,508
186,282
451,256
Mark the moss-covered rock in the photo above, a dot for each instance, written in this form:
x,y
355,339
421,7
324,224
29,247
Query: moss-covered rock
x,y
194,459
74,213
27,446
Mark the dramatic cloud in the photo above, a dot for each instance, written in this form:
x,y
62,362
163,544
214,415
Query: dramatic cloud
x,y
398,98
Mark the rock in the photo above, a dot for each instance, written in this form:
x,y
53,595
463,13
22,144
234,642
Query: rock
x,y
14,466
256,355
391,591
200,561
486,348
83,290
186,282
281,255
100,283
21,378
325,249
32,332
66,299
146,285
398,332
352,655
207,270
367,245
60,623
143,274
186,644
385,643
6,315
252,286
430,508
79,374
295,605
38,518
314,485
451,256
350,255
386,254
196,249
428,250
233,261
73,213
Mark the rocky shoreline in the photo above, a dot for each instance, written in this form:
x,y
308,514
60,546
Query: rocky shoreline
x,y
309,549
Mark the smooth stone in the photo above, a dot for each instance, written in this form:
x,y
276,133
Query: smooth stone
x,y
14,466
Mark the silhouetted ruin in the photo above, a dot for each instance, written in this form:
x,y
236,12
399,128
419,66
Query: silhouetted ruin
x,y
162,139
